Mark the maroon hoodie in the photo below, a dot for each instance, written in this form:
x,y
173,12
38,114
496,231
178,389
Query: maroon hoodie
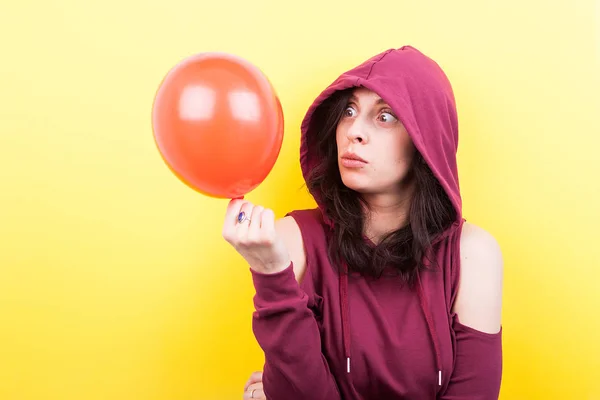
x,y
335,336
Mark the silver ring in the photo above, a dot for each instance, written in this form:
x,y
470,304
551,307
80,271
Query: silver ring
x,y
252,393
242,217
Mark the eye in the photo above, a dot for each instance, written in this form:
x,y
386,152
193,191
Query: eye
x,y
387,117
349,112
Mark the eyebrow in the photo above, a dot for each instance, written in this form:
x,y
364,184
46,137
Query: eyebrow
x,y
378,102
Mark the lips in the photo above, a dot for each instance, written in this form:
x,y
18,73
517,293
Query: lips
x,y
353,157
350,160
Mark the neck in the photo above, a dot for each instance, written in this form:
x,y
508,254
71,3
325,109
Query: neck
x,y
385,213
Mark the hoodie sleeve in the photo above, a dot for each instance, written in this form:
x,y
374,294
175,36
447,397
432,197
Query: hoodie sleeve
x,y
478,365
287,332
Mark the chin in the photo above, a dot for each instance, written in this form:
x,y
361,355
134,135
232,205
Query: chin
x,y
357,182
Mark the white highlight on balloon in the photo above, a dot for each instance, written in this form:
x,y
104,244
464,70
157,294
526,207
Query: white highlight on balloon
x,y
244,105
197,103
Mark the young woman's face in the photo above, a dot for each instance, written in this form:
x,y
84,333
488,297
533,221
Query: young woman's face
x,y
375,152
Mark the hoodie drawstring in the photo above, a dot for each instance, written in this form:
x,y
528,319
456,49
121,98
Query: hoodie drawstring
x,y
343,282
428,318
344,311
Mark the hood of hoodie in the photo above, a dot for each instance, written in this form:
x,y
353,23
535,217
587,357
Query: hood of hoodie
x,y
420,94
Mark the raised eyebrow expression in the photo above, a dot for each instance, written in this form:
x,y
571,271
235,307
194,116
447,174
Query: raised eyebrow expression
x,y
379,102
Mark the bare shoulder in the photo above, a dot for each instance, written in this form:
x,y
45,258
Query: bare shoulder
x,y
288,229
479,299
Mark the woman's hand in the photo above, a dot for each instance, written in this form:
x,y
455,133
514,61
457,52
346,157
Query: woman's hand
x,y
254,387
251,231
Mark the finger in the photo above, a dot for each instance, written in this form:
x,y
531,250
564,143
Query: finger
x,y
254,227
231,215
257,395
254,391
255,386
267,223
254,377
242,227
233,209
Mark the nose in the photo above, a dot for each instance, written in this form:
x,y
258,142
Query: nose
x,y
357,131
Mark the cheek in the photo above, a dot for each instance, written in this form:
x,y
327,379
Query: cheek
x,y
394,158
396,151
338,137
408,152
406,148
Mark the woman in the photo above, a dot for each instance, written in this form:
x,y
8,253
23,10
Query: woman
x,y
383,291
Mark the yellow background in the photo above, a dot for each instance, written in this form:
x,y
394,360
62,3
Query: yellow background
x,y
114,280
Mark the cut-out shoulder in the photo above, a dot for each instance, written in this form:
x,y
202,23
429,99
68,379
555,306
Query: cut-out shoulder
x,y
479,299
478,303
289,230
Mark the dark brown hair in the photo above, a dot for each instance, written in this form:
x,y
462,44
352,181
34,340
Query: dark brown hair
x,y
403,250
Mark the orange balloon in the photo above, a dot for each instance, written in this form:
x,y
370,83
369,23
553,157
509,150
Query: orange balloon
x,y
218,124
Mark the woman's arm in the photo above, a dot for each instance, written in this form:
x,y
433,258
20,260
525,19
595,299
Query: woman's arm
x,y
286,330
477,371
